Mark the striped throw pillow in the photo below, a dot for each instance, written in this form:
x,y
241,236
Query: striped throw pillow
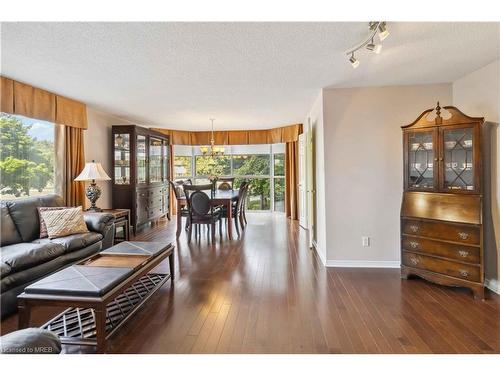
x,y
61,223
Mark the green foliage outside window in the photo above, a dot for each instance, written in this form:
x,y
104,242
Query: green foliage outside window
x,y
26,163
213,166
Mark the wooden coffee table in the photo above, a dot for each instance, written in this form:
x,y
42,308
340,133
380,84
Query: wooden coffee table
x,y
101,292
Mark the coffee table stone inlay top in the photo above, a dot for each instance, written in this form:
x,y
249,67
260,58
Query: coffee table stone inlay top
x,y
106,289
81,281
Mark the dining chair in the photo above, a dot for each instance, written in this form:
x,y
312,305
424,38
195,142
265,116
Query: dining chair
x,y
179,194
237,208
244,204
200,210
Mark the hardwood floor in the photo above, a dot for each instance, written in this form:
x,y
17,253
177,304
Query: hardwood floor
x,y
268,293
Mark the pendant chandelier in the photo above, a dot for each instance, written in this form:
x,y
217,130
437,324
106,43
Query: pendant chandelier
x,y
212,150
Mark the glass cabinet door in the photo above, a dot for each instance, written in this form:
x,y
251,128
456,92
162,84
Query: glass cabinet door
x,y
458,159
421,153
155,159
141,159
122,158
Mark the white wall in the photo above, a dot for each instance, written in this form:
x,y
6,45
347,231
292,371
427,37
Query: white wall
x,y
315,119
364,168
478,94
97,141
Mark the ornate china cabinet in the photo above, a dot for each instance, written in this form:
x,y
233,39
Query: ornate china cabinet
x,y
140,173
441,212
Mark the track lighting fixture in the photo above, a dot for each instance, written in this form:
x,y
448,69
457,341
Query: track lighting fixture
x,y
379,27
354,62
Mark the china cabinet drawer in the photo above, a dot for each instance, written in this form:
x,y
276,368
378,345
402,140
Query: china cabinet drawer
x,y
155,212
156,192
445,231
155,202
445,267
443,249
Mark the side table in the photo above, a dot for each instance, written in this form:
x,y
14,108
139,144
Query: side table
x,y
122,220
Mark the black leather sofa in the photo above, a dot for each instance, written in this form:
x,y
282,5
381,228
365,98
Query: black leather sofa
x,y
26,258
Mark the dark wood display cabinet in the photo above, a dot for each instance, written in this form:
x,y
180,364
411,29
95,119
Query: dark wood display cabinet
x,y
140,173
442,208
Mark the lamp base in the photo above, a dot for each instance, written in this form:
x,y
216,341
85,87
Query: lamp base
x,y
93,192
96,209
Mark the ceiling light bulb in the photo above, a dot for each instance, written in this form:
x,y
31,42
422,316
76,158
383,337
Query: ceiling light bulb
x,y
383,32
354,62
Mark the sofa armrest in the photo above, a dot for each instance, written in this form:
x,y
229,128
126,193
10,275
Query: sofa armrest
x,y
103,223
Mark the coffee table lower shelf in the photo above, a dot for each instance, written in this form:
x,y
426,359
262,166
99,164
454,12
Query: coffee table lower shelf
x,y
77,326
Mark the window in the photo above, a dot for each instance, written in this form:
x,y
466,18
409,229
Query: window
x,y
262,165
26,156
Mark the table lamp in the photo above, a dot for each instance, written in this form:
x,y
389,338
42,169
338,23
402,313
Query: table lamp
x,y
93,172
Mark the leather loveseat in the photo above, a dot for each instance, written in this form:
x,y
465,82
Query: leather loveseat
x,y
26,258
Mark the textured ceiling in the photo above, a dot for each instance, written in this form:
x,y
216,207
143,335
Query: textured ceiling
x,y
246,75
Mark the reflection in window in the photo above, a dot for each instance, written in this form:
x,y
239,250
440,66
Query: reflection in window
x,y
26,156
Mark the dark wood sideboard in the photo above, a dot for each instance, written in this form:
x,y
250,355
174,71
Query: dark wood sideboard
x,y
442,207
140,158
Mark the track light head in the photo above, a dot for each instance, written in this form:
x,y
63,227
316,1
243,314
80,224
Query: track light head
x,y
375,48
354,62
382,31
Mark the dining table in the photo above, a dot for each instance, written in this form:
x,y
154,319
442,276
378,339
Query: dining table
x,y
217,198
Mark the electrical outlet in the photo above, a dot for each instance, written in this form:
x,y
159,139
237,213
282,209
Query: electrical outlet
x,y
366,241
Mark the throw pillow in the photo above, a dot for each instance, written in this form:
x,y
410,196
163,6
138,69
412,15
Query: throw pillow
x,y
43,227
61,223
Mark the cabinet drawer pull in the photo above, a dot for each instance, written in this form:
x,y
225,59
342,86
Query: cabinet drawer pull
x,y
463,273
414,228
414,260
463,253
413,244
463,235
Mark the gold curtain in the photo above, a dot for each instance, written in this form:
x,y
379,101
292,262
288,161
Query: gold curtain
x,y
32,102
71,113
257,137
238,137
283,134
291,177
6,95
73,159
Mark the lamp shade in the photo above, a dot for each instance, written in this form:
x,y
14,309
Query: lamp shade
x,y
93,171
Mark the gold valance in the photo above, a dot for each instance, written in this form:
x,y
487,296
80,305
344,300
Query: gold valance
x,y
21,99
6,95
235,137
71,113
34,103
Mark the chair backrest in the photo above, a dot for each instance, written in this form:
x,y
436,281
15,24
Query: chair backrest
x,y
177,188
225,186
242,194
199,203
225,182
189,189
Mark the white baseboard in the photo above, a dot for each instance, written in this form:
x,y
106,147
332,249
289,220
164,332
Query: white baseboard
x,y
492,285
318,252
364,263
